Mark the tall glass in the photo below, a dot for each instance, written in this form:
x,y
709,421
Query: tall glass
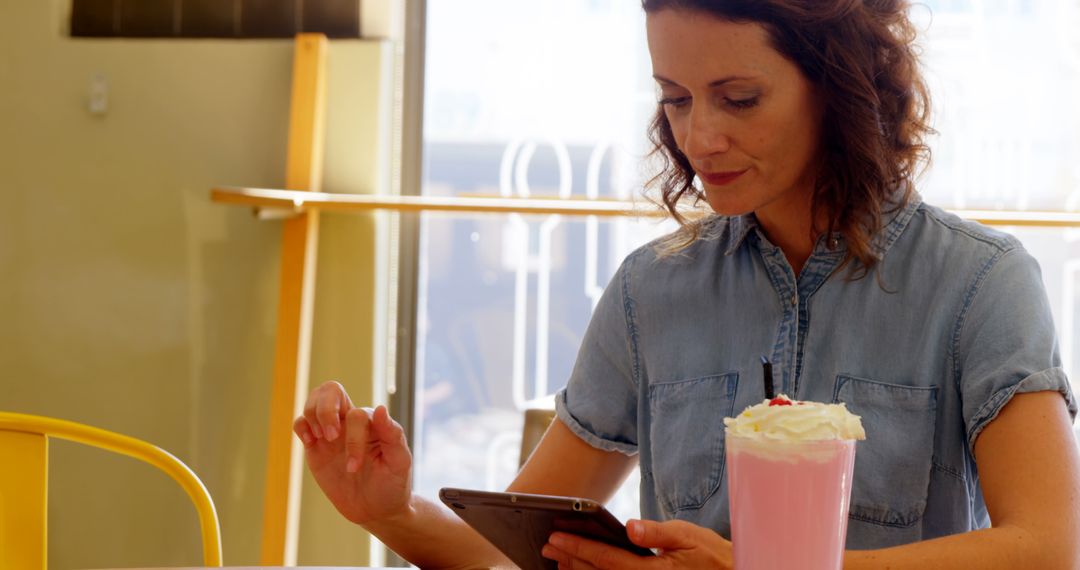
x,y
789,502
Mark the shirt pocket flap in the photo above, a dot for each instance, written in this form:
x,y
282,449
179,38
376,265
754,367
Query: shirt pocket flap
x,y
893,464
687,433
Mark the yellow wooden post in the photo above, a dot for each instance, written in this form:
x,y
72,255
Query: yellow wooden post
x,y
292,347
24,485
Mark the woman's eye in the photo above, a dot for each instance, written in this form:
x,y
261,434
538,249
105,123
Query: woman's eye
x,y
742,103
675,102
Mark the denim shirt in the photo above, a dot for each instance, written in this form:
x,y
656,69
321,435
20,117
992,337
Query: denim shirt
x,y
927,349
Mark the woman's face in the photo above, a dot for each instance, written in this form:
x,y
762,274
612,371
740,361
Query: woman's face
x,y
744,115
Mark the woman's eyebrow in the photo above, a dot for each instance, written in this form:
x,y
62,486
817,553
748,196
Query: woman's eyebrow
x,y
715,83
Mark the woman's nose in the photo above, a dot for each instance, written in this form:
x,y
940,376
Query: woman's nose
x,y
706,134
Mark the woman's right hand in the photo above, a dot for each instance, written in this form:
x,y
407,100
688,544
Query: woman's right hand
x,y
359,456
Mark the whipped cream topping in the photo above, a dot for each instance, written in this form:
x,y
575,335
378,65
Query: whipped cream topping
x,y
786,420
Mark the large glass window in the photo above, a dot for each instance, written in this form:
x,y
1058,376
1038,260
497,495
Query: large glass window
x,y
532,99
552,98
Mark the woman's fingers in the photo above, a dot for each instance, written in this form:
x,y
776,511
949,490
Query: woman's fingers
x,y
575,552
324,410
373,433
357,434
328,412
329,415
303,431
309,415
669,535
394,445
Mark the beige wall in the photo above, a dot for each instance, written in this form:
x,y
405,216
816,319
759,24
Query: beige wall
x,y
131,302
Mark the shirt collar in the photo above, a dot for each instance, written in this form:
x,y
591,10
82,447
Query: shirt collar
x,y
738,227
895,214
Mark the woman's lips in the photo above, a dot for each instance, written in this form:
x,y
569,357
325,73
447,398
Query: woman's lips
x,y
721,178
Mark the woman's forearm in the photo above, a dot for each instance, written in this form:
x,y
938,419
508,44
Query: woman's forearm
x,y
431,536
989,549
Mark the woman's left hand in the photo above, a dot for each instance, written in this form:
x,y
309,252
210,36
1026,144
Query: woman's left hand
x,y
679,544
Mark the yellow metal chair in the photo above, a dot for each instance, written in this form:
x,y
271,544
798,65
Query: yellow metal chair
x,y
24,484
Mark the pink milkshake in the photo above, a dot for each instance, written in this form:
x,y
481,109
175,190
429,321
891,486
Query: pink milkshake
x,y
789,478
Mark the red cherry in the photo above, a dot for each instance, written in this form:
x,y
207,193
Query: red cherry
x,y
779,402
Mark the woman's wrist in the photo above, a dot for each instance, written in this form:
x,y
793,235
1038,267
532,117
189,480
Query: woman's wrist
x,y
400,518
430,536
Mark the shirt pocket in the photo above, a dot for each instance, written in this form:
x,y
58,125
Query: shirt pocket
x,y
893,464
687,433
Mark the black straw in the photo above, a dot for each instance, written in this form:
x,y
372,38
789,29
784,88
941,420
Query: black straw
x,y
766,377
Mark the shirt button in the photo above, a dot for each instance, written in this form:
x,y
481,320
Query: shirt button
x,y
794,299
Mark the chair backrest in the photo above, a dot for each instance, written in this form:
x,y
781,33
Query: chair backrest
x,y
24,484
537,421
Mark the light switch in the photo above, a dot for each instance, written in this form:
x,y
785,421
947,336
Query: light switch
x,y
98,100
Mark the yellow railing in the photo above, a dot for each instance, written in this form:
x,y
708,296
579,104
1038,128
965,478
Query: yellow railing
x,y
291,201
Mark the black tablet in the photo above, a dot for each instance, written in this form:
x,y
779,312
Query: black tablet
x,y
519,524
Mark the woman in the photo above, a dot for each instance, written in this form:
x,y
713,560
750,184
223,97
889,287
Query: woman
x,y
803,123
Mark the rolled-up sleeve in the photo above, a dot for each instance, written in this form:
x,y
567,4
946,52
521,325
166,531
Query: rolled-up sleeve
x,y
1006,343
599,403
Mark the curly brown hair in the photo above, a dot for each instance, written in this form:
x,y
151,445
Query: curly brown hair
x,y
861,57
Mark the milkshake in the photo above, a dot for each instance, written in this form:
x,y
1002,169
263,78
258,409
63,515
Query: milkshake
x,y
789,470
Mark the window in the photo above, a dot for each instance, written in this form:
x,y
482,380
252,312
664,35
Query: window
x,y
519,109
553,98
